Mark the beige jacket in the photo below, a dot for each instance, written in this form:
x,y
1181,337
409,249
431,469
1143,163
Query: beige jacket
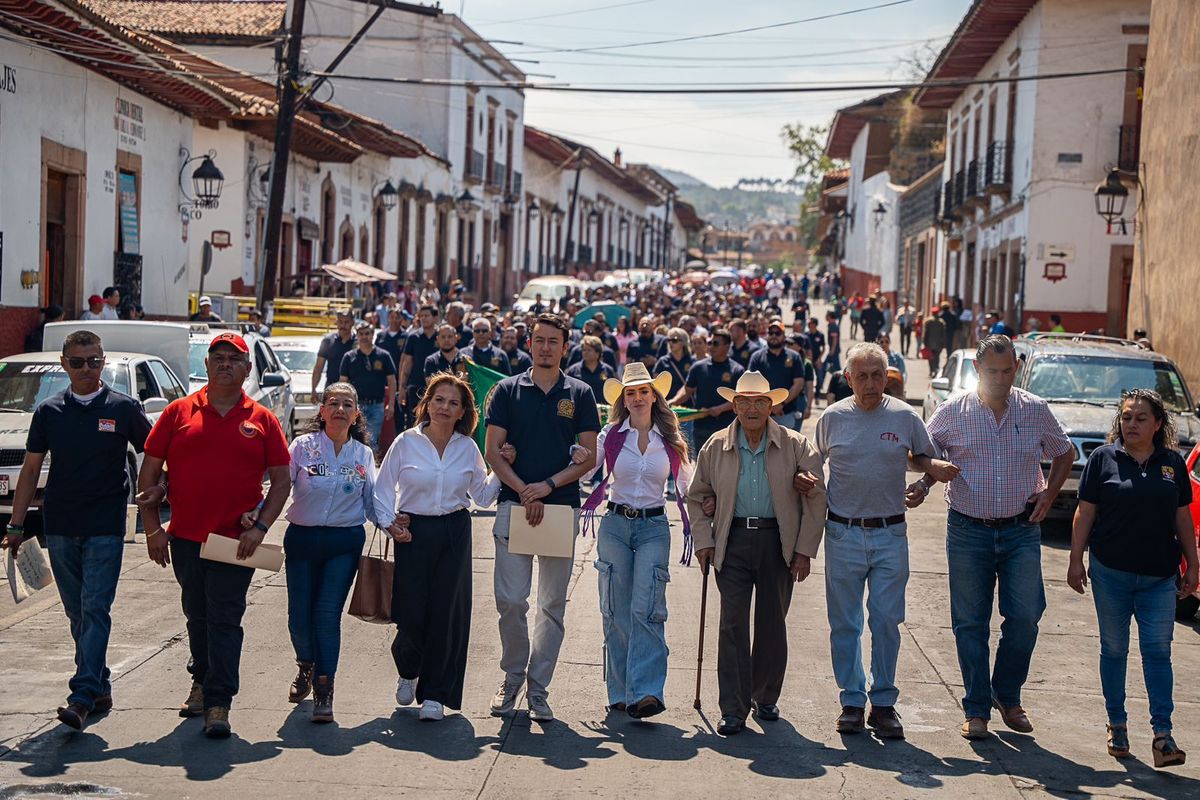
x,y
801,517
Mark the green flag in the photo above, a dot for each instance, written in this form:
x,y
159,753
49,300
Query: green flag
x,y
483,381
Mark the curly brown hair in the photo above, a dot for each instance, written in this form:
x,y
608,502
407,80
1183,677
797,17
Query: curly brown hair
x,y
470,417
1165,435
358,425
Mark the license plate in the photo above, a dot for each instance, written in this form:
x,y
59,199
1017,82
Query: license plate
x,y
3,484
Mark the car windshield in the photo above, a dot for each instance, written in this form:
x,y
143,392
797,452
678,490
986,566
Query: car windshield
x,y
298,360
546,290
197,352
968,378
23,384
1100,381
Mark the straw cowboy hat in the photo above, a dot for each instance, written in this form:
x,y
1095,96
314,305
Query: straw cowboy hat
x,y
636,374
753,384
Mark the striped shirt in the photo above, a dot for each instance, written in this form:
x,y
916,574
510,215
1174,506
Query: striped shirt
x,y
999,462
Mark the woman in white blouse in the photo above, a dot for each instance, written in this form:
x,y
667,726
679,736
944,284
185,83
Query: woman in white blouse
x,y
640,448
432,473
333,481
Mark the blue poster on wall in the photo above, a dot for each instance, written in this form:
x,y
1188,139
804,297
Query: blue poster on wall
x,y
130,239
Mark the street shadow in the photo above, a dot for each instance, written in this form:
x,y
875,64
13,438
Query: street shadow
x,y
647,739
54,751
778,750
554,743
451,739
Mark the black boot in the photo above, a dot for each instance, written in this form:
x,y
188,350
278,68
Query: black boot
x,y
302,685
323,699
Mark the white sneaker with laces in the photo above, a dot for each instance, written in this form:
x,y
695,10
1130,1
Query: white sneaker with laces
x,y
505,700
539,709
404,691
431,711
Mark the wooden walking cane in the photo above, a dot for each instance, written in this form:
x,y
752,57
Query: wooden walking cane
x,y
700,647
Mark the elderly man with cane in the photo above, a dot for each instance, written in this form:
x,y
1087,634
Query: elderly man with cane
x,y
761,539
869,441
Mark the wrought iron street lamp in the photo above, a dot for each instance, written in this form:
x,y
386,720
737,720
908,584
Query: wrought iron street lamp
x,y
207,182
535,210
1111,197
879,212
466,203
388,195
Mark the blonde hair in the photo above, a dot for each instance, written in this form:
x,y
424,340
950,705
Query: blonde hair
x,y
662,417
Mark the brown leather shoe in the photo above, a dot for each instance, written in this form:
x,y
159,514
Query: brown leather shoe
x,y
194,705
73,715
851,720
322,699
886,722
1014,717
975,729
648,706
302,685
216,723
102,704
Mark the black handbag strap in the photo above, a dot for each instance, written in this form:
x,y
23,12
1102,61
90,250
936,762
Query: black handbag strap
x,y
385,548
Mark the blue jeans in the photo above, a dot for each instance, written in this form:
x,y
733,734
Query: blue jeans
x,y
373,416
979,557
633,572
321,563
871,561
86,569
1150,600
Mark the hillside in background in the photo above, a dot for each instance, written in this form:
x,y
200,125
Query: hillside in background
x,y
736,207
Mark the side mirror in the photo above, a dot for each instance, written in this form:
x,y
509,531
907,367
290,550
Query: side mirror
x,y
271,380
941,384
154,405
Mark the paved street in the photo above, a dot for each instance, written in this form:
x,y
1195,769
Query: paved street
x,y
144,748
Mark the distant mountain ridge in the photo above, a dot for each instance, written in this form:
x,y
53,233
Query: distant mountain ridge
x,y
768,201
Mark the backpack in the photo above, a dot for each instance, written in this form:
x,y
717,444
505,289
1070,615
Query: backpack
x,y
613,443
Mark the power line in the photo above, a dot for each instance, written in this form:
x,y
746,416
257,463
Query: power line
x,y
568,13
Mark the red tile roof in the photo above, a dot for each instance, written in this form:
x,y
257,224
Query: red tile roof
x,y
182,20
848,121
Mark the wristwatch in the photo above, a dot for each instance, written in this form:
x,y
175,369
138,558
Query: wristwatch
x,y
550,482
258,524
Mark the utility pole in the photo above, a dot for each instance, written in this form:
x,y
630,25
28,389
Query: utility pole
x,y
571,213
269,260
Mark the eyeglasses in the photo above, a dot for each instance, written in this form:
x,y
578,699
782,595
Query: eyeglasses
x,y
95,362
674,339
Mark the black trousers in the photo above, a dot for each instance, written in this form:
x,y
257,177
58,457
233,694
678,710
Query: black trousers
x,y
431,606
753,564
214,600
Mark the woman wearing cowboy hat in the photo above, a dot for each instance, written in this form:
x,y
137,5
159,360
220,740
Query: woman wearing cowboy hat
x,y
640,447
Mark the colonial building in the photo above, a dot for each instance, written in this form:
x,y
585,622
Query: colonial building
x,y
921,240
1023,155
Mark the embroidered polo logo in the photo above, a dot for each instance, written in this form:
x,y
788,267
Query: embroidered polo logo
x,y
727,378
248,429
108,426
566,408
1168,474
788,363
495,361
379,366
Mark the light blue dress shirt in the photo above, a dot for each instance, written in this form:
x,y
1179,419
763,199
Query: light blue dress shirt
x,y
753,492
331,489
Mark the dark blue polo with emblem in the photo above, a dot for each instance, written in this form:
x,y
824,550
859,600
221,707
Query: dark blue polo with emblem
x,y
742,354
594,379
677,369
88,484
368,373
419,347
779,370
643,348
518,361
542,427
493,358
705,377
438,363
333,349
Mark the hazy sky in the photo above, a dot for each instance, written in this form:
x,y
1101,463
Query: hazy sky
x,y
716,138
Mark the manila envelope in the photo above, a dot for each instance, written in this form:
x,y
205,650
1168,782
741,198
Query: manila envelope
x,y
554,536
224,549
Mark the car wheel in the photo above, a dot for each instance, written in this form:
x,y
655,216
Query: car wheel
x,y
1186,608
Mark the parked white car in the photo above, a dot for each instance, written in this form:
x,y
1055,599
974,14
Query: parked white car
x,y
552,288
956,375
299,354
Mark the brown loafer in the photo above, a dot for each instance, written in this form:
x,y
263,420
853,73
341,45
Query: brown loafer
x,y
852,720
975,729
1014,717
886,722
648,706
73,715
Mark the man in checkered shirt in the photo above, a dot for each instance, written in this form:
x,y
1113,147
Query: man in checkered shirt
x,y
997,435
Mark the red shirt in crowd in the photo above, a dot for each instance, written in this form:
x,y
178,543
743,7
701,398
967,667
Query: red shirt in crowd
x,y
215,464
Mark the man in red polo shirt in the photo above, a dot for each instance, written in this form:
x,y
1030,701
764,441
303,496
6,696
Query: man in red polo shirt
x,y
216,444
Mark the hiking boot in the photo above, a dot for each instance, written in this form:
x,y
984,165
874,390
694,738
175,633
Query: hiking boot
x,y
505,700
216,722
851,720
102,704
322,699
194,705
302,684
886,722
975,729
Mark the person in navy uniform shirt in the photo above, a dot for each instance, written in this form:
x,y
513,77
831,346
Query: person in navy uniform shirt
x,y
677,361
372,373
420,344
591,370
741,345
784,369
607,354
482,351
447,358
649,346
518,360
329,353
703,380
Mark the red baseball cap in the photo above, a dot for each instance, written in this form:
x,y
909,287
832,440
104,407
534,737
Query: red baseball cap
x,y
231,339
94,299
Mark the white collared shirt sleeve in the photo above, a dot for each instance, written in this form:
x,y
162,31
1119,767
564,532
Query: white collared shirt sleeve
x,y
413,479
485,486
384,496
639,480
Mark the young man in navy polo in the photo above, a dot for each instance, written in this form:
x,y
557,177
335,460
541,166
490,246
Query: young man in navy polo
x,y
783,368
542,413
88,428
703,380
329,353
448,358
372,373
420,345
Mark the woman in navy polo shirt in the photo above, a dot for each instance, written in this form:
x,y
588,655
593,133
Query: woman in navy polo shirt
x,y
1133,516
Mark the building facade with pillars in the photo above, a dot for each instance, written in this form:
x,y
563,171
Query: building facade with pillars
x,y
457,95
1022,156
921,241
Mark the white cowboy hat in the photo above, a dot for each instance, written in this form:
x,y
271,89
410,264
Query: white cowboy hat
x,y
753,384
635,374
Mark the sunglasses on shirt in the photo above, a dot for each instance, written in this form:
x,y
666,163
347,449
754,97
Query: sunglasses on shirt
x,y
95,362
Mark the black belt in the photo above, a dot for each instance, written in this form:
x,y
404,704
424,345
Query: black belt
x,y
755,523
629,512
867,522
998,522
370,402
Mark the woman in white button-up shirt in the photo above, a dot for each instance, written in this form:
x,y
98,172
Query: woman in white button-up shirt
x,y
333,482
432,473
633,545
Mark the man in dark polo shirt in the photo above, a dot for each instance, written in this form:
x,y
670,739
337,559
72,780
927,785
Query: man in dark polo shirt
x,y
648,347
420,345
741,345
482,351
518,359
783,368
575,351
88,428
216,443
703,380
329,353
591,370
372,373
542,413
448,357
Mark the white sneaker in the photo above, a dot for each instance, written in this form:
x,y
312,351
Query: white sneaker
x,y
431,711
539,709
505,700
404,691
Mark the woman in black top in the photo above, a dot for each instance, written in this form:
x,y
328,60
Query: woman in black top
x,y
1133,516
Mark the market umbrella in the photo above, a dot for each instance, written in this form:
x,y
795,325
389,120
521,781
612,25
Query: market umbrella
x,y
612,312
